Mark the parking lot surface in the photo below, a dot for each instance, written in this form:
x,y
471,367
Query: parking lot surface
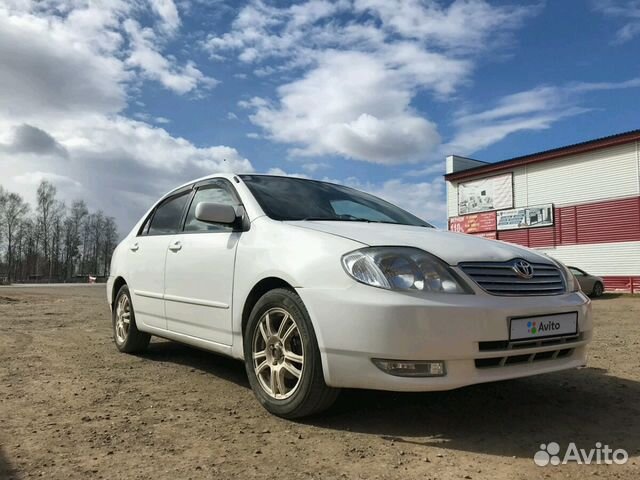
x,y
72,407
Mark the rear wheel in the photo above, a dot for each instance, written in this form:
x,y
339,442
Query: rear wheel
x,y
598,290
126,335
282,357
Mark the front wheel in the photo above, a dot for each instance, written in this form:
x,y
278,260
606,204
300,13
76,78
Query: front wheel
x,y
598,290
126,335
282,357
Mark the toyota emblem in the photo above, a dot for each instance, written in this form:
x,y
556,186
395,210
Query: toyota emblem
x,y
523,269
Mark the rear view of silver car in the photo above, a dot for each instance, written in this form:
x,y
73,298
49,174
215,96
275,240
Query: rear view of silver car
x,y
590,284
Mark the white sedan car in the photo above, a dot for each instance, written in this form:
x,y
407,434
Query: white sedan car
x,y
319,287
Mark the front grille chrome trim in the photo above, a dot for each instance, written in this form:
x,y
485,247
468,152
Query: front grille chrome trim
x,y
500,278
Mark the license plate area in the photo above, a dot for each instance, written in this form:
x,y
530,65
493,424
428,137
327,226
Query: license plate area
x,y
543,326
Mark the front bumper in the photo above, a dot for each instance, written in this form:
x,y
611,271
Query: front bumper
x,y
360,323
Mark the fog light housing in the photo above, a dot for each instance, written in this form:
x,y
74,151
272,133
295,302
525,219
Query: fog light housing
x,y
411,368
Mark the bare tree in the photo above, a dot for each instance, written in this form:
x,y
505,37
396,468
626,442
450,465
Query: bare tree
x,y
56,242
73,226
46,198
57,219
13,213
110,243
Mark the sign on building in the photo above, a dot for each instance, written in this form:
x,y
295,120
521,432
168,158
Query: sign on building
x,y
479,222
491,193
525,217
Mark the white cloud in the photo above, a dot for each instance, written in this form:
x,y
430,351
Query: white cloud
x,y
535,109
350,105
45,62
362,64
628,11
466,25
65,80
144,54
314,166
168,13
33,179
112,160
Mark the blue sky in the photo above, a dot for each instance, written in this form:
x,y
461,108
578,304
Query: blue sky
x,y
119,101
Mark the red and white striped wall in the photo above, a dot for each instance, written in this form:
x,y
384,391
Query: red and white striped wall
x,y
602,238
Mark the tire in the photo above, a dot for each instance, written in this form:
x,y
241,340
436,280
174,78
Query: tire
x,y
286,375
127,337
598,290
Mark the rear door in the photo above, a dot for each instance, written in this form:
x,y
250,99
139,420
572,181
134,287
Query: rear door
x,y
199,270
147,255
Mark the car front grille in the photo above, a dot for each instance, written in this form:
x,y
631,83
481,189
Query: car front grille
x,y
500,278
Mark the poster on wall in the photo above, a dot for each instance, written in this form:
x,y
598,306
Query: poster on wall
x,y
478,222
525,217
491,193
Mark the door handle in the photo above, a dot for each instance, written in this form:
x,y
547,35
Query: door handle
x,y
134,247
175,246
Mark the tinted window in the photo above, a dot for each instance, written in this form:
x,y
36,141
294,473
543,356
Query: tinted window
x,y
215,193
576,271
167,218
285,198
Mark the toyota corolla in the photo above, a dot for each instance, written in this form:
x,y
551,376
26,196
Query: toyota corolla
x,y
318,287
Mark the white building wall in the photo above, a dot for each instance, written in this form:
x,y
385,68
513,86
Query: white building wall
x,y
520,188
602,259
452,199
587,177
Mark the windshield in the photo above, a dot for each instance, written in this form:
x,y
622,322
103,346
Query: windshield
x,y
286,198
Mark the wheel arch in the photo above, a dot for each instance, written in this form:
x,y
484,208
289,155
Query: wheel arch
x,y
258,290
117,285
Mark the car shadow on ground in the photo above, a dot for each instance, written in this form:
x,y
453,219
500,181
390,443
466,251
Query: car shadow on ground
x,y
510,418
611,296
7,472
161,350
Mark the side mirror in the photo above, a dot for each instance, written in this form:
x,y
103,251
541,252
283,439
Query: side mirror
x,y
216,213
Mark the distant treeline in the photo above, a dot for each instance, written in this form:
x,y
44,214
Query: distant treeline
x,y
52,241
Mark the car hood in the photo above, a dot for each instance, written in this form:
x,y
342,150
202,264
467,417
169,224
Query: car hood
x,y
451,247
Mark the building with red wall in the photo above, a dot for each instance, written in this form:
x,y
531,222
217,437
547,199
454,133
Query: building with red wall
x,y
579,204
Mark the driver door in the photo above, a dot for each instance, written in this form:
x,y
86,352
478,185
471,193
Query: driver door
x,y
200,268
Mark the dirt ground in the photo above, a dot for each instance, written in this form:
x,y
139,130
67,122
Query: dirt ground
x,y
72,407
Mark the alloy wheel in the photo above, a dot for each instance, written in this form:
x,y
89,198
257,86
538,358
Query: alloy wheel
x,y
123,318
278,353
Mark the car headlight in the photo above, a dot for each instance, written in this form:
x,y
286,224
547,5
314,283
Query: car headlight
x,y
402,268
